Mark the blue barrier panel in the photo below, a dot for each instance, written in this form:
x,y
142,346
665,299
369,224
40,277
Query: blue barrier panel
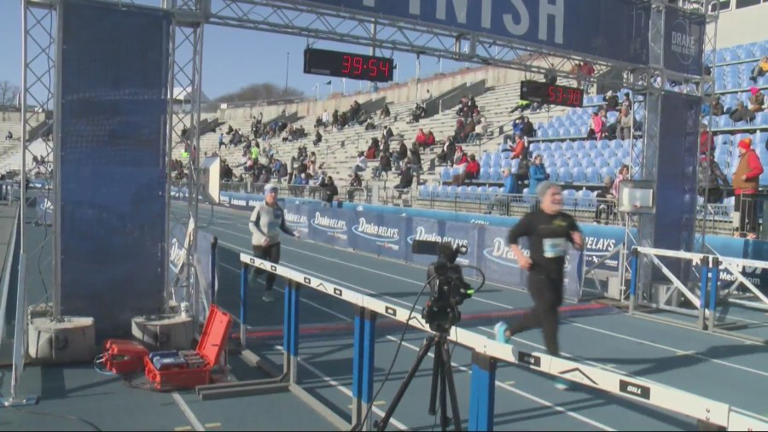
x,y
114,81
482,396
424,229
329,226
378,234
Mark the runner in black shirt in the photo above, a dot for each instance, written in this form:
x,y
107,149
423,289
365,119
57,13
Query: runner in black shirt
x,y
548,231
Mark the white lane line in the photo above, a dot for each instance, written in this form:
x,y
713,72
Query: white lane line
x,y
501,305
594,329
187,411
414,348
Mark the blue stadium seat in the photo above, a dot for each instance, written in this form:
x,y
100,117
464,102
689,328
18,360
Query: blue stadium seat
x,y
564,175
506,164
461,192
424,191
542,133
593,175
485,174
482,193
612,116
761,119
514,165
445,173
606,171
585,199
472,194
579,175
495,174
569,198
457,170
443,191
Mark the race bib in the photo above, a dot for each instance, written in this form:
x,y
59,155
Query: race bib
x,y
554,247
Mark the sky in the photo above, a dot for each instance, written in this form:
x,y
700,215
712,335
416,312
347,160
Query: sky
x,y
234,58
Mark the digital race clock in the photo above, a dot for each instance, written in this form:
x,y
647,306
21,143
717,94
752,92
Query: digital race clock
x,y
551,94
348,65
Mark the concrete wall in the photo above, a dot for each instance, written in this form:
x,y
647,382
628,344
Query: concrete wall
x,y
740,26
405,92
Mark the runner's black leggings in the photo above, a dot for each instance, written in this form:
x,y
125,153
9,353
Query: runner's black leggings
x,y
547,295
270,253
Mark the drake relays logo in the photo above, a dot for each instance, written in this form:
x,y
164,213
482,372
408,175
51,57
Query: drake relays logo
x,y
422,234
501,254
334,227
295,220
683,42
383,235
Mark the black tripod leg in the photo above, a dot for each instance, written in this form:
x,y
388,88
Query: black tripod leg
x,y
444,419
446,353
423,351
433,388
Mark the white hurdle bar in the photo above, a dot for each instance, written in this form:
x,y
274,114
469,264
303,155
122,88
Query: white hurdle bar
x,y
636,389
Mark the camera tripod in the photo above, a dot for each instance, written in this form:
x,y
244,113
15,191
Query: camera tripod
x,y
441,372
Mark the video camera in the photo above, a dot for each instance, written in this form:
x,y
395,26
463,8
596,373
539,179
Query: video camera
x,y
447,287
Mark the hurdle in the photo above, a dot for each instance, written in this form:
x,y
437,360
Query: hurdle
x,y
486,354
704,304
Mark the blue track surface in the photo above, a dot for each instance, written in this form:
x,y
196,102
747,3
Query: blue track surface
x,y
713,366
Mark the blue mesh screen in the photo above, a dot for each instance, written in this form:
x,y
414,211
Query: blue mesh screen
x,y
113,162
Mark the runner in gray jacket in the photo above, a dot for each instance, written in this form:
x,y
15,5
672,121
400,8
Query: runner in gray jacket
x,y
265,223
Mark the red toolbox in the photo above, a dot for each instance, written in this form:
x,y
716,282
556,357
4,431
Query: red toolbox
x,y
123,356
196,368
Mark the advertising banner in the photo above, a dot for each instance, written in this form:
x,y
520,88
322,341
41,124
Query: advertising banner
x,y
615,29
378,234
684,41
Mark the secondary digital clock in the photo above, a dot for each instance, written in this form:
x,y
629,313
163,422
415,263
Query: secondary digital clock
x,y
348,65
551,94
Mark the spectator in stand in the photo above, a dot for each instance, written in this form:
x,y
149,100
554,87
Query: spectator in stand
x,y
717,108
430,139
745,185
756,100
622,175
460,158
528,130
625,124
706,140
510,188
335,119
595,126
370,153
518,149
606,202
330,191
537,174
221,140
406,178
472,171
355,185
759,70
385,166
415,159
418,113
448,152
521,106
611,101
362,163
318,138
421,138
401,154
469,129
741,113
711,179
384,113
627,102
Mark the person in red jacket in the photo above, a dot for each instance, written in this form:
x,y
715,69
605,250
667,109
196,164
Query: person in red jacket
x,y
746,180
472,171
706,140
519,149
430,139
421,138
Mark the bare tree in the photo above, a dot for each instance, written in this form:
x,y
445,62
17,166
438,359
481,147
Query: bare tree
x,y
258,92
8,93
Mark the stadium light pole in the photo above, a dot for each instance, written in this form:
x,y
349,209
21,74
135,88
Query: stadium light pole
x,y
287,63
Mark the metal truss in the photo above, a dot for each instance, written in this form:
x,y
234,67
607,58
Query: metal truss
x,y
302,19
38,92
185,83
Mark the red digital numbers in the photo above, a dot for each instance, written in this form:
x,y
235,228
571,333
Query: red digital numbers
x,y
372,69
346,64
384,67
357,63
